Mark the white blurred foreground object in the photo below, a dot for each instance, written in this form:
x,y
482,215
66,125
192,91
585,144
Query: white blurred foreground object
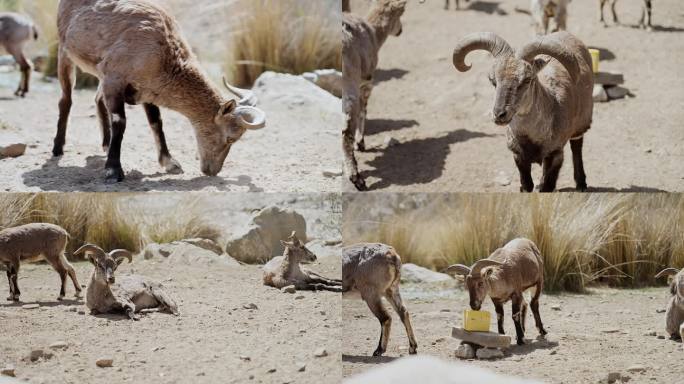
x,y
431,370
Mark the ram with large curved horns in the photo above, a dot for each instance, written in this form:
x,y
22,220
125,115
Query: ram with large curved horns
x,y
544,96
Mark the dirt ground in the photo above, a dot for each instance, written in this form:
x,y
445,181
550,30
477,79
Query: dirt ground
x,y
590,336
214,340
439,116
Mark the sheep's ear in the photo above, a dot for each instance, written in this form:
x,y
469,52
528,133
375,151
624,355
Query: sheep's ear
x,y
538,65
90,258
487,272
228,107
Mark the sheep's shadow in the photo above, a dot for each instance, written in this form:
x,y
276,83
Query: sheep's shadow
x,y
375,126
605,54
51,177
631,188
367,359
659,28
418,161
56,303
488,7
532,346
382,75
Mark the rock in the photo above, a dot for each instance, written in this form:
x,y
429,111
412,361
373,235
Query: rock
x,y
489,353
485,339
299,297
59,345
322,249
660,311
259,240
614,377
156,251
465,351
8,371
390,142
30,306
292,92
321,352
610,330
599,94
412,273
556,307
616,92
332,173
104,362
207,244
13,150
327,79
661,337
289,289
637,368
245,358
190,252
38,354
650,333
301,367
250,306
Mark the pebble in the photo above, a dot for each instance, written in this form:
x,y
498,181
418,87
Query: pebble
x,y
271,370
661,337
650,333
250,306
299,297
611,330
14,150
599,94
332,173
59,345
104,362
465,351
614,377
30,306
489,353
289,289
390,142
301,367
636,368
37,354
8,371
660,311
556,307
616,92
245,358
321,352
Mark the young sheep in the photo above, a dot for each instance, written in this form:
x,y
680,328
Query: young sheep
x,y
545,101
15,31
140,57
361,42
374,271
284,270
543,10
505,275
129,293
674,316
645,13
33,242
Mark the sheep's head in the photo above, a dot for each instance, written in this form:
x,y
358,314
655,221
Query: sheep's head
x,y
232,120
513,74
105,263
477,279
677,283
387,14
296,251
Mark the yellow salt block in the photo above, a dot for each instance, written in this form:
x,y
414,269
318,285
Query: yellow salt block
x,y
476,321
595,55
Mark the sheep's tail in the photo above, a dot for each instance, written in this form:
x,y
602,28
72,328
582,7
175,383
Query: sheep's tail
x,y
35,33
396,260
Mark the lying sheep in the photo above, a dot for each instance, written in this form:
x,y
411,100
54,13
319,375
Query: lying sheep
x,y
645,13
674,316
15,31
361,42
129,293
33,242
543,10
282,271
374,271
546,101
505,275
140,57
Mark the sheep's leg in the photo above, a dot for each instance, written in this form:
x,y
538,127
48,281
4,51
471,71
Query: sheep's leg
x,y
165,160
114,96
72,275
523,315
12,275
314,274
578,164
612,9
561,17
534,305
352,110
165,300
317,286
551,168
11,284
601,19
516,300
103,119
65,71
446,4
394,298
130,311
498,307
525,171
25,67
375,305
366,89
646,11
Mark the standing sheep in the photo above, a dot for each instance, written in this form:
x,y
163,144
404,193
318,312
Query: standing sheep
x,y
543,10
361,43
674,316
33,242
140,57
505,275
544,95
15,31
645,13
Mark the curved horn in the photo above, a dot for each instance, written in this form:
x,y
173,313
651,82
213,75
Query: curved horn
x,y
487,41
667,272
553,46
484,263
121,253
458,269
91,248
247,97
250,117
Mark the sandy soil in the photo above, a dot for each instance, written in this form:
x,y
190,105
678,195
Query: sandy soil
x,y
447,142
589,337
214,340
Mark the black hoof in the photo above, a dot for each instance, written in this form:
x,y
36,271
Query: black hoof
x,y
361,146
413,350
378,352
521,342
581,187
359,182
57,151
114,175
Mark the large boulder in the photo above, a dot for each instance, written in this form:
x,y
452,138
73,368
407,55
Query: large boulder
x,y
259,240
328,79
190,251
412,273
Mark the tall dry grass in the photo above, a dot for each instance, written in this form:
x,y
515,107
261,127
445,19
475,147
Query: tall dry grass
x,y
289,36
616,239
104,219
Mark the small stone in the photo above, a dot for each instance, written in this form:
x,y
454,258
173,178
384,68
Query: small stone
x,y
661,337
30,306
8,371
616,92
245,358
332,173
390,142
637,368
250,306
650,333
660,311
489,353
321,352
81,312
299,297
485,339
72,309
104,362
58,345
14,150
556,307
599,94
271,370
610,330
614,377
289,289
502,179
301,367
465,351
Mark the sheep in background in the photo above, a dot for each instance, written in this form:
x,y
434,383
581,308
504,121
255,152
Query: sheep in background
x,y
645,13
674,316
543,10
15,31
